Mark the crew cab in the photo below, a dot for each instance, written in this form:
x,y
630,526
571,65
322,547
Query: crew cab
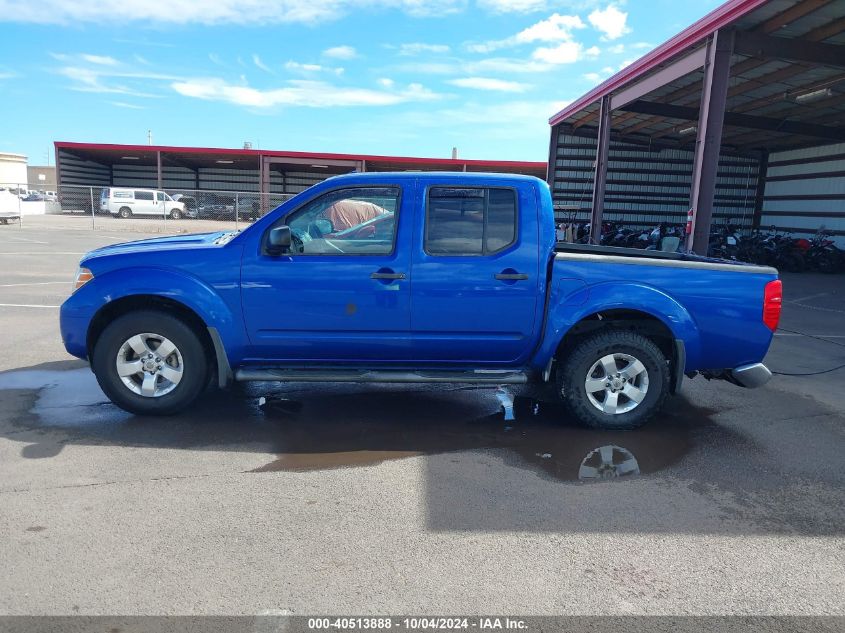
x,y
416,277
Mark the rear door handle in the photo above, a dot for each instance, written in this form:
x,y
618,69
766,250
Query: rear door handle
x,y
387,276
510,276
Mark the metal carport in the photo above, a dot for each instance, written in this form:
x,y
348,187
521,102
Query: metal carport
x,y
695,123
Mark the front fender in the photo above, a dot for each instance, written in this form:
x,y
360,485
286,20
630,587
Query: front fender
x,y
568,306
80,308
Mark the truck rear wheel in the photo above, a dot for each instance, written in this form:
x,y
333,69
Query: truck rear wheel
x,y
150,363
616,379
125,212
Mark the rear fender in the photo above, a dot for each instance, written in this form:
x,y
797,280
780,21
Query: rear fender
x,y
567,310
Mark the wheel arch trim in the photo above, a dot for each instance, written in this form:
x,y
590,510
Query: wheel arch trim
x,y
630,296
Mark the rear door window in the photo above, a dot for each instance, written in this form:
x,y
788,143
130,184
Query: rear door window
x,y
470,221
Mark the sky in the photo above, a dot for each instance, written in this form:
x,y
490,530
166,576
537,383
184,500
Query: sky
x,y
393,77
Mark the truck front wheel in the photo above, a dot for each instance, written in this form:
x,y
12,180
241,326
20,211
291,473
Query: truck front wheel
x,y
150,363
616,379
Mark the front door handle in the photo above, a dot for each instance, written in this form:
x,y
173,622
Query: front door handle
x,y
387,276
510,276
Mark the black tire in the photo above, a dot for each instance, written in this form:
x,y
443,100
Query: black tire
x,y
175,214
195,371
575,369
125,213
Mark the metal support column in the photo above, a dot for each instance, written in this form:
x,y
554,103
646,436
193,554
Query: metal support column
x,y
263,184
550,168
600,177
158,170
708,144
762,170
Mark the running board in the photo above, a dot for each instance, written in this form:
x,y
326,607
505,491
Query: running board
x,y
479,376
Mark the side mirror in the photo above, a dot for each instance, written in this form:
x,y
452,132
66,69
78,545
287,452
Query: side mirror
x,y
279,241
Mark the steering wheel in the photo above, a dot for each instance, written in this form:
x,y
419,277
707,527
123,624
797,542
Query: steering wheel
x,y
298,239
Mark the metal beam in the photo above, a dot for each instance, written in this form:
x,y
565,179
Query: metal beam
x,y
737,119
793,13
795,49
551,166
158,170
714,94
670,73
333,162
600,177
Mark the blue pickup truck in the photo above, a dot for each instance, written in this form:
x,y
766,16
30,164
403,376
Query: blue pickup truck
x,y
416,278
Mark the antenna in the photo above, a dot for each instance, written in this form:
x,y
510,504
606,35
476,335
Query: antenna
x,y
149,137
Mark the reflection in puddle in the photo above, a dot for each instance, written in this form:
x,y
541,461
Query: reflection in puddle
x,y
316,427
607,462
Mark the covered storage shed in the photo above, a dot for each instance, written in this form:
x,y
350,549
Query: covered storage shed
x,y
739,117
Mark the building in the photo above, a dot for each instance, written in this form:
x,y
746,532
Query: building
x,y
274,175
741,116
12,170
41,178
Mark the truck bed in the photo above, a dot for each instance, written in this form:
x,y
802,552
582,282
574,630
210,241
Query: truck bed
x,y
639,253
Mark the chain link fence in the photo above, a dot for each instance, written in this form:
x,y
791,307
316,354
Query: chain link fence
x,y
133,209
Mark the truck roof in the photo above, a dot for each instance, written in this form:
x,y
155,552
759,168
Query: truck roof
x,y
469,176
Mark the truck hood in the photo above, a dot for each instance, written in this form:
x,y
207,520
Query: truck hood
x,y
173,242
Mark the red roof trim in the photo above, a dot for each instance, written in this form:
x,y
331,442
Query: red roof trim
x,y
706,26
316,156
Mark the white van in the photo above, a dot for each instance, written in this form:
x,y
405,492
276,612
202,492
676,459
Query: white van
x,y
126,203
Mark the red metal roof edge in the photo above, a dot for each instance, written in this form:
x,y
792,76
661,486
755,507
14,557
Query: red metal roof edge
x,y
311,155
719,18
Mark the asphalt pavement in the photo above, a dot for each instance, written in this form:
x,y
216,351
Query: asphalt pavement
x,y
314,499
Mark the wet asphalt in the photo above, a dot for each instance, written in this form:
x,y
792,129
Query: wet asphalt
x,y
409,499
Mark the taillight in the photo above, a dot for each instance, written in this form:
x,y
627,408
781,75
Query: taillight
x,y
772,304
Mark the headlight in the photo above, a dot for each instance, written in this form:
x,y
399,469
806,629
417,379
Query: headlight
x,y
83,276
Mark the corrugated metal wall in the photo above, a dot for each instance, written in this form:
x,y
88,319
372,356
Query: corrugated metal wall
x,y
77,171
647,185
805,188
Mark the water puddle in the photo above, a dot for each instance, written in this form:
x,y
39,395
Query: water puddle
x,y
345,430
317,427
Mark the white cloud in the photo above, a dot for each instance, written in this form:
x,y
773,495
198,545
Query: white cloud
x,y
312,68
487,83
415,48
207,11
506,65
563,53
429,68
87,75
89,80
123,104
386,82
260,64
304,93
555,28
215,59
610,21
513,6
7,75
341,52
101,60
